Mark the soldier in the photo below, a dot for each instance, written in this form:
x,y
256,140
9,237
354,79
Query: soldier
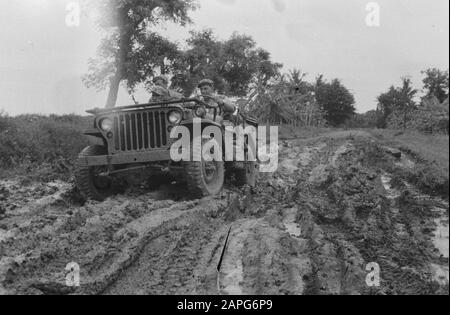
x,y
161,92
210,97
161,81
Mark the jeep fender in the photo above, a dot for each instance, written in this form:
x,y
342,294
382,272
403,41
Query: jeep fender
x,y
205,123
93,132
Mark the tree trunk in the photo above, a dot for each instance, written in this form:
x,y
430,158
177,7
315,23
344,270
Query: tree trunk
x,y
121,58
113,90
404,120
118,76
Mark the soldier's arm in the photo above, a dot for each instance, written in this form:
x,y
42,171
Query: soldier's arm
x,y
175,95
227,105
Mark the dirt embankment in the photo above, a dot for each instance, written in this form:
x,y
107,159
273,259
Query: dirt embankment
x,y
336,204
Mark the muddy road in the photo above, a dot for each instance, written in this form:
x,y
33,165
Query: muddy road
x,y
335,205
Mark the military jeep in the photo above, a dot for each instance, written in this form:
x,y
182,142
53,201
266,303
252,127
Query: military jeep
x,y
135,143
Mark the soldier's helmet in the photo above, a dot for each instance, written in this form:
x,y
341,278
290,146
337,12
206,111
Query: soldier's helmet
x,y
206,82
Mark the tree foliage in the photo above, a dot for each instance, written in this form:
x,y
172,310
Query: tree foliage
x,y
397,108
130,51
234,64
336,101
366,120
287,99
436,84
431,117
396,105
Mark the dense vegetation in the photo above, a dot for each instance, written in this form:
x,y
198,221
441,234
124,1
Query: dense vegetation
x,y
398,108
45,144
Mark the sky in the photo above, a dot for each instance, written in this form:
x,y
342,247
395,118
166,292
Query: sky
x,y
42,59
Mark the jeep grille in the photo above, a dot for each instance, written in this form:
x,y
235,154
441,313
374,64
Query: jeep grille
x,y
138,131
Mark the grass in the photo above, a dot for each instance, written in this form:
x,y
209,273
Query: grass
x,y
42,146
431,148
431,173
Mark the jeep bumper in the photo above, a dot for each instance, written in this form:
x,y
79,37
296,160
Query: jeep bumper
x,y
126,158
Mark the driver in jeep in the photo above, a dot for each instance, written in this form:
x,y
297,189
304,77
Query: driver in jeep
x,y
209,96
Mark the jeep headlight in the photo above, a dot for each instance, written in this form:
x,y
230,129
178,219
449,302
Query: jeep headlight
x,y
175,117
106,124
200,112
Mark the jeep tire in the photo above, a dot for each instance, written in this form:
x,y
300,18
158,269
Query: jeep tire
x,y
89,183
248,174
204,178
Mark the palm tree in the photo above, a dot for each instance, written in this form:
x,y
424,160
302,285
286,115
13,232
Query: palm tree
x,y
406,102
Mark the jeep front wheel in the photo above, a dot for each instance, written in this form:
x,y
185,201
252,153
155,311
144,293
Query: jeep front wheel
x,y
247,175
88,178
204,178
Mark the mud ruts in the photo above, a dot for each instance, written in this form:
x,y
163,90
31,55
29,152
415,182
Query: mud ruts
x,y
335,205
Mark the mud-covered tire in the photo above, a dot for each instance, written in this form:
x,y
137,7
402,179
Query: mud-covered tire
x,y
248,175
155,182
199,182
86,180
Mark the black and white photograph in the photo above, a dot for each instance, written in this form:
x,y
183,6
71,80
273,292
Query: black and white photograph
x,y
224,153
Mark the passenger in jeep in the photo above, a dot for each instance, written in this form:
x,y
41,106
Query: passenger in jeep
x,y
161,92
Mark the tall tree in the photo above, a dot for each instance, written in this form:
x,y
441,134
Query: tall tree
x,y
200,60
130,51
243,63
436,84
336,100
397,104
407,103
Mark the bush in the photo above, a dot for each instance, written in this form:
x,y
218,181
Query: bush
x,y
28,142
367,120
4,122
432,117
